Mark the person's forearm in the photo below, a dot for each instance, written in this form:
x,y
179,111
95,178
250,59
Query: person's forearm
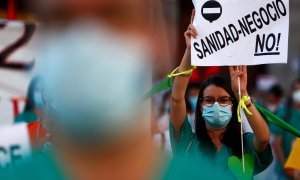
x,y
186,60
260,129
178,105
180,82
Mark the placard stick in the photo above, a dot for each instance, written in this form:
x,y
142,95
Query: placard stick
x,y
242,139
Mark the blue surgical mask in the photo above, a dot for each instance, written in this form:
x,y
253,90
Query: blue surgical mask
x,y
193,100
90,91
217,116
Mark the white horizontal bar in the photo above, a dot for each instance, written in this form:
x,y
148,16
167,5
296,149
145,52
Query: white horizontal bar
x,y
211,10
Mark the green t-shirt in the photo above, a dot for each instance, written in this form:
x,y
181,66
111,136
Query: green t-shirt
x,y
189,147
287,137
42,166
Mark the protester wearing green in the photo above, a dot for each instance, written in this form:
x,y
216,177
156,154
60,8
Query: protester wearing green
x,y
284,139
218,133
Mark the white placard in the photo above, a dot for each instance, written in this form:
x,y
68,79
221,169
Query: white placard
x,y
240,32
14,145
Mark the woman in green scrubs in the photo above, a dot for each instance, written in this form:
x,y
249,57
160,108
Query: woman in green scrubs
x,y
217,134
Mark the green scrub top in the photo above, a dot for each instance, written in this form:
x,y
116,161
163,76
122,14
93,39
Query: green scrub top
x,y
287,138
41,166
189,147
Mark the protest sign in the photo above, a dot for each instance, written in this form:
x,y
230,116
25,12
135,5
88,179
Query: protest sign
x,y
240,32
16,43
14,145
17,59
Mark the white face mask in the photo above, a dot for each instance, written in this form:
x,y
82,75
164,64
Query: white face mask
x,y
272,107
94,78
296,96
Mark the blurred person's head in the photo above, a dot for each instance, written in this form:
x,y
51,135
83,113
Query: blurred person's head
x,y
93,93
95,59
263,85
165,103
296,93
274,98
93,46
192,96
216,92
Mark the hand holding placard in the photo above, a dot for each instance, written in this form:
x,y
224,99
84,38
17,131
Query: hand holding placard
x,y
191,32
234,75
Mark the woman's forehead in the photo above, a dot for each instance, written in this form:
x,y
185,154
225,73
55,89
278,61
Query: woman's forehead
x,y
214,91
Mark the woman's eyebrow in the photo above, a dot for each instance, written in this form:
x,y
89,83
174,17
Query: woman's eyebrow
x,y
208,97
224,96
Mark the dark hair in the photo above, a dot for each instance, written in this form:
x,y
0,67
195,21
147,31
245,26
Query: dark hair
x,y
232,136
192,86
276,90
165,98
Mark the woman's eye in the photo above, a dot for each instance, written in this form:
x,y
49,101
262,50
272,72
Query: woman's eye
x,y
224,101
208,101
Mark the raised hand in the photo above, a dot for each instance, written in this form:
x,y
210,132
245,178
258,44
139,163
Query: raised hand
x,y
191,32
235,72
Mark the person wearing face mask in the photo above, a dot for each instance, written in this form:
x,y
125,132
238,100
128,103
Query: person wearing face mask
x,y
94,118
217,134
273,101
191,102
161,135
192,94
94,59
284,140
274,98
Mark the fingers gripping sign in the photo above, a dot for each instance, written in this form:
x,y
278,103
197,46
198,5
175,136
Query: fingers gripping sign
x,y
191,31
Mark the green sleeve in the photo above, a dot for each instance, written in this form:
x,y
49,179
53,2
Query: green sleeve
x,y
186,137
261,160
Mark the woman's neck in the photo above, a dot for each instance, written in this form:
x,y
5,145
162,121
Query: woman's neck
x,y
216,136
216,132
